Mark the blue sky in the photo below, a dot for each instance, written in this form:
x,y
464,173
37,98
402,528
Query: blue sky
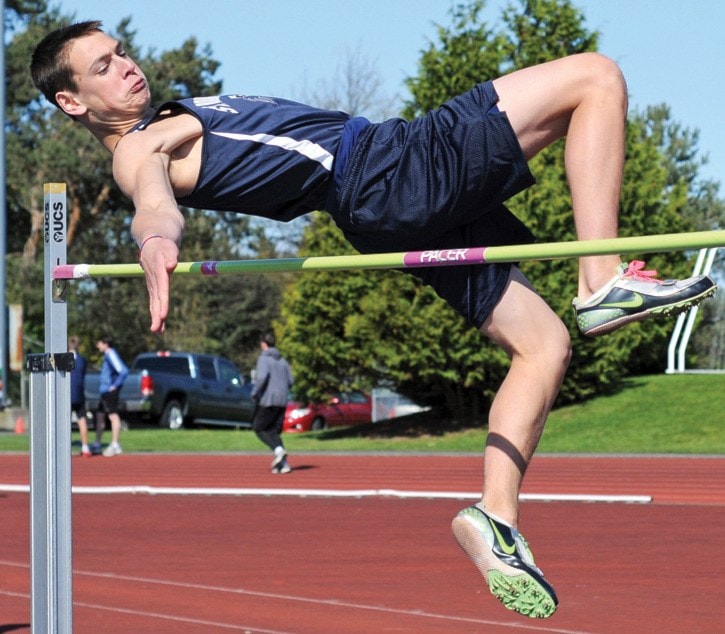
x,y
670,51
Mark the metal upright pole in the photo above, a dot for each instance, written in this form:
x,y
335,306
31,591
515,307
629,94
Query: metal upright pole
x,y
679,324
692,314
3,223
50,448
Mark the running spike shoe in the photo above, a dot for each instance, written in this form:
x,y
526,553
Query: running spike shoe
x,y
634,295
503,557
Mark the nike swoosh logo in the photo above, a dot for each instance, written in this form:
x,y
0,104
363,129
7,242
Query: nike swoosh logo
x,y
635,302
509,550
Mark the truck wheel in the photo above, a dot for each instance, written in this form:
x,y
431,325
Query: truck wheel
x,y
318,424
173,415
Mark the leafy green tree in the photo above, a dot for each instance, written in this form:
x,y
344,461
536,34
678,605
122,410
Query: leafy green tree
x,y
372,328
465,54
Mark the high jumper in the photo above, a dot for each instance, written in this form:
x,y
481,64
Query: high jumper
x,y
438,182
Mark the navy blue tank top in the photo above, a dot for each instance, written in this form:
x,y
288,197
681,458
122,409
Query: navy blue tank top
x,y
264,156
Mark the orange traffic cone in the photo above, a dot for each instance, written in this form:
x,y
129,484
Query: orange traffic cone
x,y
19,425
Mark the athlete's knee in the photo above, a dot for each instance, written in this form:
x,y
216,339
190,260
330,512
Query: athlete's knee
x,y
546,343
561,345
605,79
551,344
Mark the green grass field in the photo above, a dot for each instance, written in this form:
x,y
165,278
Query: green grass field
x,y
660,414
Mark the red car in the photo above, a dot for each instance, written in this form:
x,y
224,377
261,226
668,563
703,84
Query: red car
x,y
346,408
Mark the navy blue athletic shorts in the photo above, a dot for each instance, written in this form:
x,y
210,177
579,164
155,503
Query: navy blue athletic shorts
x,y
437,182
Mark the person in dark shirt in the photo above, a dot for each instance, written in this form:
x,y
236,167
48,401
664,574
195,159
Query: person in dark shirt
x,y
78,394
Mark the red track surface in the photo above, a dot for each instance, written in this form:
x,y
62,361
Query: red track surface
x,y
377,563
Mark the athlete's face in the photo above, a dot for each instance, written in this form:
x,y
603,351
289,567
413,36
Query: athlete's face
x,y
110,85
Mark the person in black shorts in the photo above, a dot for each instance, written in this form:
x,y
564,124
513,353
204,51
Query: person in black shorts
x,y
440,181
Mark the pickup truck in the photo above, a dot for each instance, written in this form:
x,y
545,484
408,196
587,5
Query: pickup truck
x,y
178,388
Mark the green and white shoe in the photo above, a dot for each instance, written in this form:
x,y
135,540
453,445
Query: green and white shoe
x,y
503,557
634,295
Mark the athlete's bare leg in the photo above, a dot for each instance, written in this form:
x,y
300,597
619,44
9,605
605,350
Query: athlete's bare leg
x,y
583,98
538,343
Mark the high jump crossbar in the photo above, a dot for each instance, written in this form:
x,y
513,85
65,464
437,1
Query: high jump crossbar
x,y
416,259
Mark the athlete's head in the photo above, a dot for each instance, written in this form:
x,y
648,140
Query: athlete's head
x,y
89,76
50,66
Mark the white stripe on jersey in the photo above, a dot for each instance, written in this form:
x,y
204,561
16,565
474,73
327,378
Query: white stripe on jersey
x,y
306,148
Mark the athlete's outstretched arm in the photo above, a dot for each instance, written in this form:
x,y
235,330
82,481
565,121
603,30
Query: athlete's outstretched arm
x,y
157,226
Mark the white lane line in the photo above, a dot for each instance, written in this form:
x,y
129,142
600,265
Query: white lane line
x,y
340,493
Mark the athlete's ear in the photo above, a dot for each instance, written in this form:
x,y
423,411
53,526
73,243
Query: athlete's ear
x,y
68,103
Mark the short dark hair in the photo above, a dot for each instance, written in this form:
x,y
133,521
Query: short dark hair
x,y
49,66
107,340
268,338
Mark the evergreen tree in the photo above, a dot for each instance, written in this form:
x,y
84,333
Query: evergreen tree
x,y
382,327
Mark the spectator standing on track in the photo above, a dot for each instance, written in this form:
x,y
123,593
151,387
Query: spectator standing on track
x,y
78,393
113,374
270,393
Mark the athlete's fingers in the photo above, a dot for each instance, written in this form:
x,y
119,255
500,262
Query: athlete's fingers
x,y
159,259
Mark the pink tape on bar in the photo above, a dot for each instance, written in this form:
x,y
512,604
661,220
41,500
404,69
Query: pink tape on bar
x,y
63,272
444,257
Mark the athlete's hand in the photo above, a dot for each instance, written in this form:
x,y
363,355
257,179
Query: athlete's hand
x,y
158,259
